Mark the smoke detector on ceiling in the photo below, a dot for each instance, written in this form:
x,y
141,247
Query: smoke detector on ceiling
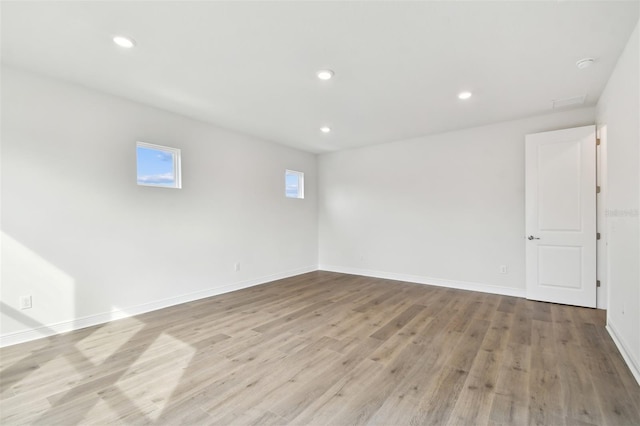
x,y
585,63
568,102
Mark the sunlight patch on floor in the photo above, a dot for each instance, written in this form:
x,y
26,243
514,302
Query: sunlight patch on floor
x,y
22,406
58,374
106,340
101,413
145,382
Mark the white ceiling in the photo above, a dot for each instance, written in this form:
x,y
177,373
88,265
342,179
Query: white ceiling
x,y
250,66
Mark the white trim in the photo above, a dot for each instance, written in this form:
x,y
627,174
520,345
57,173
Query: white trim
x,y
118,313
419,279
624,351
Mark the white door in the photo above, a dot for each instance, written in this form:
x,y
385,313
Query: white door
x,y
561,216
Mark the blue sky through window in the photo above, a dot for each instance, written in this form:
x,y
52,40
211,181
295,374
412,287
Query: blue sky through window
x,y
155,167
293,184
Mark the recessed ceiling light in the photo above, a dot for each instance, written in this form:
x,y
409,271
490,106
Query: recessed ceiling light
x,y
325,74
464,95
325,129
125,42
585,63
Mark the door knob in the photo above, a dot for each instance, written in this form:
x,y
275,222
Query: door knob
x,y
531,237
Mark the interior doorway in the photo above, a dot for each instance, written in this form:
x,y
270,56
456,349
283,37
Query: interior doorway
x,y
560,187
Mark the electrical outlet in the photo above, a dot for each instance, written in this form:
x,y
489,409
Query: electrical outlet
x,y
25,302
503,269
236,266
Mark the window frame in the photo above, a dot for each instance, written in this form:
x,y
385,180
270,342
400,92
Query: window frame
x,y
176,161
300,176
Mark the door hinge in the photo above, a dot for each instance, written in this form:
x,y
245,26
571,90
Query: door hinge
x,y
597,141
597,283
598,189
597,235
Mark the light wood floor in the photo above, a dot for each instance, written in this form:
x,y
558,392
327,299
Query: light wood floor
x,y
329,349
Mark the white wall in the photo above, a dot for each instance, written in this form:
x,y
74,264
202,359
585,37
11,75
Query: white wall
x,y
88,244
446,209
619,110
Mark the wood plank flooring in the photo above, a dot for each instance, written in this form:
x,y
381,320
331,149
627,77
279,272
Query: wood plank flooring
x,y
328,349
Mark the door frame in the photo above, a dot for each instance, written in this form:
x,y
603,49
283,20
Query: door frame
x,y
602,245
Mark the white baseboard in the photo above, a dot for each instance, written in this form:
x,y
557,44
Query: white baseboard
x,y
624,351
118,313
418,279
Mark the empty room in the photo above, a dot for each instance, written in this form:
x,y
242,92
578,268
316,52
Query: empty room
x,y
320,212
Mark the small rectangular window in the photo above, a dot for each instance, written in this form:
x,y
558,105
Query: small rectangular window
x,y
158,165
293,184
